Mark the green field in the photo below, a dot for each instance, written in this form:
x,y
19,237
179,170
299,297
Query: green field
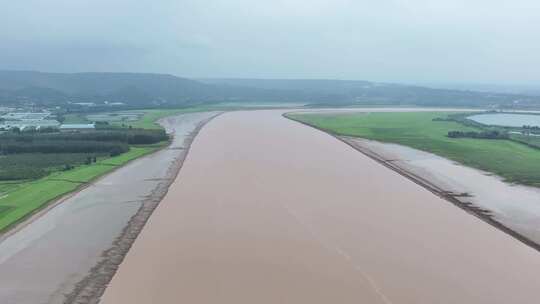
x,y
35,165
529,140
513,161
75,119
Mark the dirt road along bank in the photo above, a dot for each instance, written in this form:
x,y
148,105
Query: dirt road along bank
x,y
266,210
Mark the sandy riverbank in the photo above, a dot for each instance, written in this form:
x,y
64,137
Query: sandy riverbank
x,y
266,210
513,208
73,248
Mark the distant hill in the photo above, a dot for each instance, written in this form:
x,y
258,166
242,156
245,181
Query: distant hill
x,y
357,92
305,85
131,88
527,89
138,89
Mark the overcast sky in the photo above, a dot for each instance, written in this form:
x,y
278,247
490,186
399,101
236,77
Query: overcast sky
x,y
485,41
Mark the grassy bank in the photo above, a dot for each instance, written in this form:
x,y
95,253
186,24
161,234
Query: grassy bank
x,y
513,161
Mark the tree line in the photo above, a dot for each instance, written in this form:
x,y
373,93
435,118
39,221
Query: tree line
x,y
63,146
128,136
113,142
481,135
32,166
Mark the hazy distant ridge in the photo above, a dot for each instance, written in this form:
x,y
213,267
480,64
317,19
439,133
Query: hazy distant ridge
x,y
138,89
345,92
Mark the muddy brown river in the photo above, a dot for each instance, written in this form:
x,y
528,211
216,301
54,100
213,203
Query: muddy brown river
x,y
266,210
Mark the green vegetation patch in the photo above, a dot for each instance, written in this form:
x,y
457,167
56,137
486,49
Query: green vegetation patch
x,y
4,210
74,118
37,165
531,140
513,161
7,186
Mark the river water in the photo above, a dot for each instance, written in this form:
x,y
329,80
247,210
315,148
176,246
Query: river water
x,y
266,210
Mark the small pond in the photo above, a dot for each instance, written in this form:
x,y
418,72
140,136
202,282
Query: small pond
x,y
507,120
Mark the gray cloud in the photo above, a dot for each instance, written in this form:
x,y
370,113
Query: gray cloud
x,y
386,40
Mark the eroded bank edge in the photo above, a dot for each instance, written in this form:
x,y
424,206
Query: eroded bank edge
x,y
90,289
449,196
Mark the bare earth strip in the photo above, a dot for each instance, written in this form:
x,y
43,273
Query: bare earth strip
x,y
266,210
